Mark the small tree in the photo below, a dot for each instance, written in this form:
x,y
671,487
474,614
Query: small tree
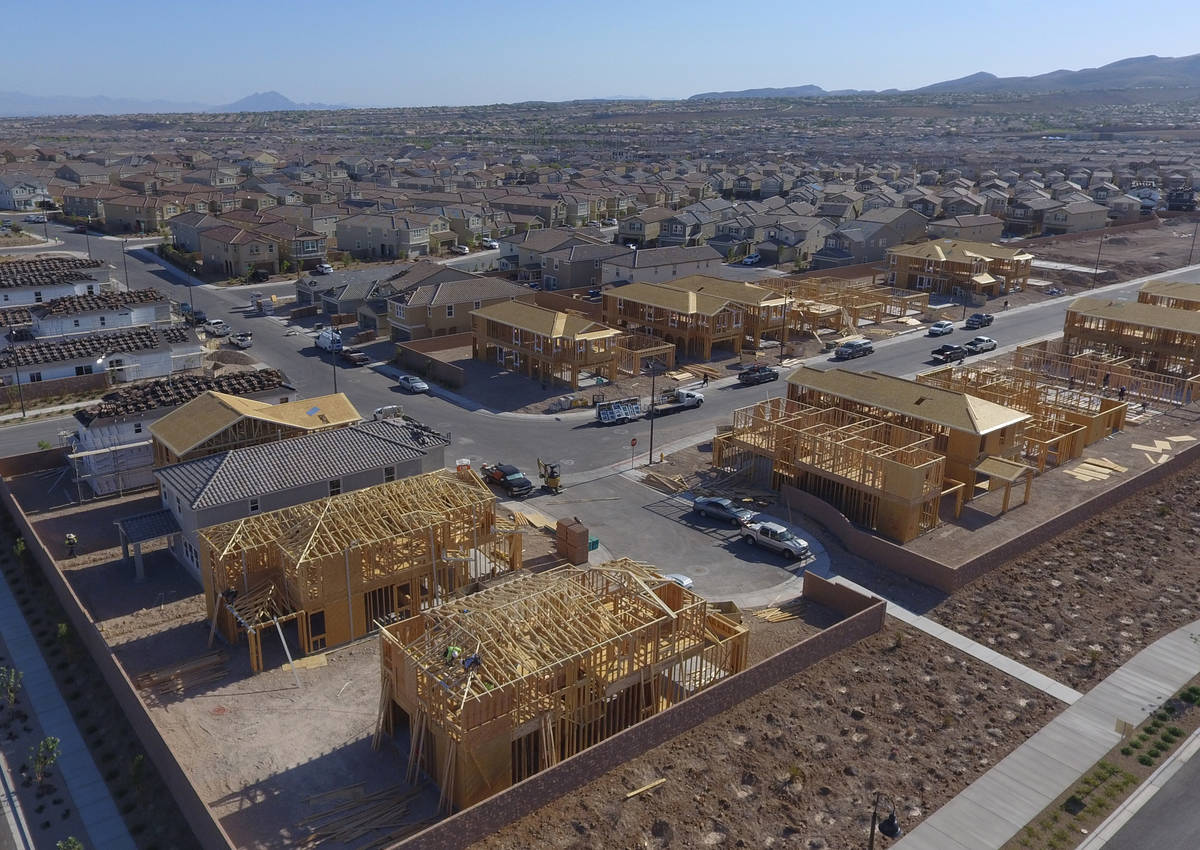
x,y
69,843
44,757
20,550
10,685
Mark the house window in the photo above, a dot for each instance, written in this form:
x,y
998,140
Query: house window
x,y
83,370
254,505
335,487
76,323
449,311
478,304
34,377
103,321
389,473
37,297
137,427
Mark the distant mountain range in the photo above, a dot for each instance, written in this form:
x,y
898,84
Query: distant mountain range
x,y
14,104
1137,72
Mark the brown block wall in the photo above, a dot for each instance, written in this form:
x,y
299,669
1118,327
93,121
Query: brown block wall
x,y
200,819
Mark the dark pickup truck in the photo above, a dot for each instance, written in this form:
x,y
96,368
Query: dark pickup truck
x,y
508,478
949,353
757,375
979,320
354,357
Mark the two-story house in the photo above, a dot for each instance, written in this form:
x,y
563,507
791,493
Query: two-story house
x,y
88,201
22,192
955,267
1075,217
578,266
300,247
658,265
693,321
234,252
441,302
542,344
100,311
393,235
642,229
139,214
867,238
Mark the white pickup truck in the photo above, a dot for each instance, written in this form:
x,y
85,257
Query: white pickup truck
x,y
242,339
217,327
773,536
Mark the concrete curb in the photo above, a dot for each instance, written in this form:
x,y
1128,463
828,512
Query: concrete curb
x,y
1134,802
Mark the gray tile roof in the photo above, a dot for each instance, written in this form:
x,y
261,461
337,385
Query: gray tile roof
x,y
238,474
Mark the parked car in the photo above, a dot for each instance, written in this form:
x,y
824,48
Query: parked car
x,y
773,536
354,357
242,339
854,348
609,222
79,228
217,327
978,320
412,384
941,328
757,374
197,318
508,478
459,249
260,275
718,507
751,260
949,353
323,268
329,340
680,579
980,344
592,224
35,219
388,411
490,244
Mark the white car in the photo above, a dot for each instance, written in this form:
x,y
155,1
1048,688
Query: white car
x,y
981,343
609,222
751,260
490,244
412,384
773,536
459,249
217,327
245,339
941,328
323,268
35,219
680,579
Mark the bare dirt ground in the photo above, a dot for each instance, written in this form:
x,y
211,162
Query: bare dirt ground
x,y
1125,255
796,766
1081,605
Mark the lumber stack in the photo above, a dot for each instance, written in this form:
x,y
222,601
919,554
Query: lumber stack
x,y
380,818
789,610
666,483
177,678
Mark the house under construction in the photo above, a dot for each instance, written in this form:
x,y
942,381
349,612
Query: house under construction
x,y
836,304
341,565
500,684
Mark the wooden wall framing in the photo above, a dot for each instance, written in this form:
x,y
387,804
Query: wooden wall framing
x,y
344,563
559,661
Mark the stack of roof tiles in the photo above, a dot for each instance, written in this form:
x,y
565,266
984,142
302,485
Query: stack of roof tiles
x,y
70,304
45,271
169,393
84,346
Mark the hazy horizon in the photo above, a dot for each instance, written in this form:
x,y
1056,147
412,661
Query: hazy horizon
x,y
371,54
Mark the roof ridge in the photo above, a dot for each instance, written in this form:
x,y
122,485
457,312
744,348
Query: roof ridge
x,y
212,476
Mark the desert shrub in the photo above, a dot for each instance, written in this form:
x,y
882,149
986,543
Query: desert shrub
x,y
1176,731
1146,760
1126,751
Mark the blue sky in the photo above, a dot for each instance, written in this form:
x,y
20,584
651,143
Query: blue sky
x,y
403,53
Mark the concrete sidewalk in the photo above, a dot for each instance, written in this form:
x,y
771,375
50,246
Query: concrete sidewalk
x,y
997,805
75,766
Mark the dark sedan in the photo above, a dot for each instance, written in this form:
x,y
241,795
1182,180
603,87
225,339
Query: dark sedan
x,y
720,508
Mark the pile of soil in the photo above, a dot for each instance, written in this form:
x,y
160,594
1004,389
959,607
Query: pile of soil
x,y
1083,604
798,765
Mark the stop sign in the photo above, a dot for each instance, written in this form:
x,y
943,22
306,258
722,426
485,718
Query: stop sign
x,y
633,443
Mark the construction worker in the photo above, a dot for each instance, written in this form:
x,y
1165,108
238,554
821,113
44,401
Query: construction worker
x,y
453,653
71,542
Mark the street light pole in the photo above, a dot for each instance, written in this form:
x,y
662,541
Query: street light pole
x,y
333,362
20,393
1096,270
87,237
1193,248
125,259
653,399
889,826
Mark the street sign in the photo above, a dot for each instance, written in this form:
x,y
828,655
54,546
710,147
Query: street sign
x,y
633,443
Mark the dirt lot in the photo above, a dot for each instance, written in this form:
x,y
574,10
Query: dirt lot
x,y
1083,604
1125,255
796,766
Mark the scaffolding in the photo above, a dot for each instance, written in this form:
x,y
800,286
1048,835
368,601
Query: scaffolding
x,y
342,565
881,475
500,684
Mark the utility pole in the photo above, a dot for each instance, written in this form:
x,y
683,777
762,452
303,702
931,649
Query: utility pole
x,y
125,260
1096,271
1192,250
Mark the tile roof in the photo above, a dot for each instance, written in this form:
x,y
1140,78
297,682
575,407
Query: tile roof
x,y
238,474
653,257
99,302
467,290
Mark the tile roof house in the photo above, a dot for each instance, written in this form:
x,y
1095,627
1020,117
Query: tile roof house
x,y
237,483
443,306
657,265
234,252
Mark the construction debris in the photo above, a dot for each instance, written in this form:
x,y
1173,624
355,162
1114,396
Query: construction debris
x,y
789,610
649,787
378,817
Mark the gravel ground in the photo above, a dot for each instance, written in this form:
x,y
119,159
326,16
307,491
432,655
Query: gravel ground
x,y
796,766
1081,605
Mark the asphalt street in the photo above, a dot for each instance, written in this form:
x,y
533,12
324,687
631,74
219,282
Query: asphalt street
x,y
1171,818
